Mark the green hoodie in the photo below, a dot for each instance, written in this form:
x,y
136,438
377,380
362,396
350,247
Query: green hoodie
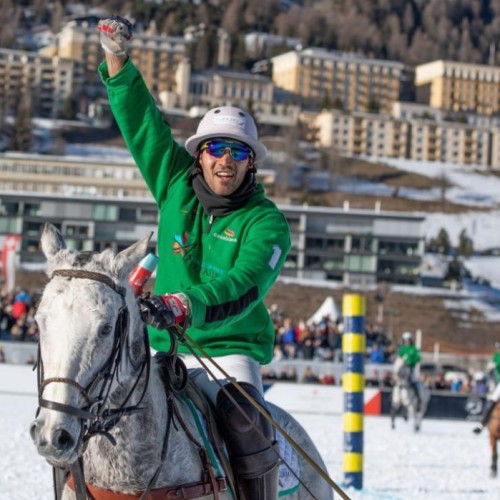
x,y
496,361
224,265
410,354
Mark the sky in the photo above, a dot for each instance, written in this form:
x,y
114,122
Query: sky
x,y
445,461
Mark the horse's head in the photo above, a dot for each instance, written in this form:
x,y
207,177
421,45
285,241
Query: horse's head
x,y
92,346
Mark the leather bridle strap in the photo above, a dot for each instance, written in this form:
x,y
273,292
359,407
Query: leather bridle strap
x,y
82,273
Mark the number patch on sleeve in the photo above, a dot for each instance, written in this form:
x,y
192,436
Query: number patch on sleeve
x,y
275,257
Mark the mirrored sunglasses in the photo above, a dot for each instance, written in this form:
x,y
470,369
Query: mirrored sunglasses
x,y
218,148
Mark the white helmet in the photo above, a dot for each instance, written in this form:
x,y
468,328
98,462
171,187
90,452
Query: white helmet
x,y
407,336
231,123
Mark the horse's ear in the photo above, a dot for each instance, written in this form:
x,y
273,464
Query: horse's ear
x,y
125,261
51,241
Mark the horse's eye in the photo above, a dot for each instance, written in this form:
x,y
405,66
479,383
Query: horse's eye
x,y
106,329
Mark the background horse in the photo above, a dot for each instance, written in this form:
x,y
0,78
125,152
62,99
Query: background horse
x,y
104,412
404,397
494,436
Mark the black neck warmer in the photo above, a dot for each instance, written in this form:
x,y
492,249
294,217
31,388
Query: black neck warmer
x,y
221,205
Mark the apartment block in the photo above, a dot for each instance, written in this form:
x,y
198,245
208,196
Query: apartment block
x,y
459,86
413,133
449,142
44,82
363,134
321,78
220,87
162,60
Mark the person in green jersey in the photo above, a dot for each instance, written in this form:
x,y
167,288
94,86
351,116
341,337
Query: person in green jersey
x,y
410,354
494,396
221,245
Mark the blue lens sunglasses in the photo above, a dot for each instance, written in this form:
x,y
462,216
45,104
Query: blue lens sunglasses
x,y
217,148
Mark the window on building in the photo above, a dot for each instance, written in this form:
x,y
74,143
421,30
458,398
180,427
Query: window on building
x,y
361,244
105,212
9,208
32,209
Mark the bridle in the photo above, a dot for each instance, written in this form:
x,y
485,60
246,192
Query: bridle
x,y
96,417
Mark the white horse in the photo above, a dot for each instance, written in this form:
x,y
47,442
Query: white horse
x,y
405,398
107,421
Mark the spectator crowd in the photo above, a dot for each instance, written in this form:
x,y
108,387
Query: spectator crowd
x,y
17,316
322,341
294,340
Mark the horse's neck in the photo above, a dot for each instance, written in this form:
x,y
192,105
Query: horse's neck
x,y
139,444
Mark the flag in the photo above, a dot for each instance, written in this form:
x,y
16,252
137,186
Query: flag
x,y
9,249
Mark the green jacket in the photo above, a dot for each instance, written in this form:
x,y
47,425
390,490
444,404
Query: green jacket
x,y
496,360
225,265
410,354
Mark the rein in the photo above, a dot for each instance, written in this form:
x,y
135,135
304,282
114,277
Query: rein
x,y
96,418
183,336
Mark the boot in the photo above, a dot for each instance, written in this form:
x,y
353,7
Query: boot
x,y
251,443
487,411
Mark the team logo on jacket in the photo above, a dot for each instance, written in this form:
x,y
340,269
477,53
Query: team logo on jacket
x,y
180,245
227,235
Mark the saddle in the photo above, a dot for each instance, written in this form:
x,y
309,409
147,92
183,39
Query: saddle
x,y
176,381
174,372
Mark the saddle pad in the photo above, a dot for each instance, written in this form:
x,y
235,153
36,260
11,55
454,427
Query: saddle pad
x,y
289,470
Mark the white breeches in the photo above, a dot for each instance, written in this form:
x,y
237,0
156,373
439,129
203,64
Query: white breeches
x,y
238,367
495,395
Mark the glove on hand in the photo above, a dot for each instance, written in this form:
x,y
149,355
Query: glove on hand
x,y
115,34
162,311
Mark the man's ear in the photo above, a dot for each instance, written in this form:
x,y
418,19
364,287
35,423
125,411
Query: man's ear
x,y
251,166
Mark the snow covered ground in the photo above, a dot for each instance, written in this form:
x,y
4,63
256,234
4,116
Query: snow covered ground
x,y
445,461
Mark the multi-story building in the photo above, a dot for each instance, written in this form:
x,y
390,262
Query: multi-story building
x,y
322,78
449,142
220,87
72,176
413,134
43,82
357,247
105,204
363,134
456,86
161,59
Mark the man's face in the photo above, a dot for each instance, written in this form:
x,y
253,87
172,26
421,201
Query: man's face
x,y
224,174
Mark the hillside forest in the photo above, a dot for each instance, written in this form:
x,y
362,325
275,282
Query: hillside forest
x,y
411,31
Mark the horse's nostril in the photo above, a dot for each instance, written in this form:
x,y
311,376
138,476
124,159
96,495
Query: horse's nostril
x,y
62,440
33,431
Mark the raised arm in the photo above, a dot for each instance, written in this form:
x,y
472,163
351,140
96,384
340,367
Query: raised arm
x,y
115,34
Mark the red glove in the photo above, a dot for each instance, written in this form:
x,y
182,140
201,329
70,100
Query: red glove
x,y
164,311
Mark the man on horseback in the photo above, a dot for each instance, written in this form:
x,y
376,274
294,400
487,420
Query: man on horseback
x,y
221,245
494,396
410,354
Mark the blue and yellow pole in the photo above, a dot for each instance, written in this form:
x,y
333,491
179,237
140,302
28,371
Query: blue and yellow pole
x,y
353,384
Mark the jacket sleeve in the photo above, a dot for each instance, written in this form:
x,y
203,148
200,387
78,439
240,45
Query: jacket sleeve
x,y
230,297
146,133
